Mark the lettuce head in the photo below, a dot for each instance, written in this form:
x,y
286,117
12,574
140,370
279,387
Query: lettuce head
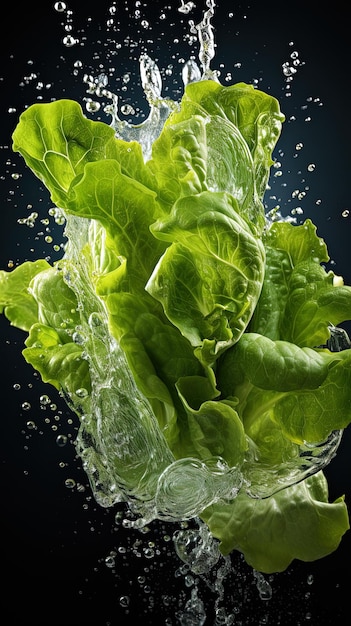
x,y
191,336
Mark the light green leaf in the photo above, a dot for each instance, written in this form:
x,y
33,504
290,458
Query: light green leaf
x,y
125,208
179,159
61,365
16,301
210,277
250,113
305,392
296,523
215,429
57,141
299,300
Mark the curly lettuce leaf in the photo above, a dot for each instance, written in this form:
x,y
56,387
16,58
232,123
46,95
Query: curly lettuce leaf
x,y
57,141
296,523
305,392
209,279
17,303
243,125
299,300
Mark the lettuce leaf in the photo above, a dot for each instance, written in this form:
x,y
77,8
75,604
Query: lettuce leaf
x,y
190,335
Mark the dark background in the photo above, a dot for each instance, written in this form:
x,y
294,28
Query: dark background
x,y
55,537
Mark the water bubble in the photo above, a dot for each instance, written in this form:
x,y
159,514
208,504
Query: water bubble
x,y
69,41
345,213
26,406
149,553
311,167
124,601
127,109
288,70
82,392
60,6
61,440
110,561
44,400
70,483
92,106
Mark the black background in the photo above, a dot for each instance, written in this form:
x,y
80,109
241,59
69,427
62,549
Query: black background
x,y
55,537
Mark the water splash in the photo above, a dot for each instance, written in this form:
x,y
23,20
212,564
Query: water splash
x,y
151,81
204,31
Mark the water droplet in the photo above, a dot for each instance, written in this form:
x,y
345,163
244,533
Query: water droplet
x,y
70,483
186,7
69,41
61,440
44,400
82,392
110,561
92,106
60,6
345,213
263,586
149,553
127,109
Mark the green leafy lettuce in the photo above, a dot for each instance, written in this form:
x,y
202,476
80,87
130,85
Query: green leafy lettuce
x,y
187,332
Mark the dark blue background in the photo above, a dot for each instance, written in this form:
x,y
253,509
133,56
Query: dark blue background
x,y
55,539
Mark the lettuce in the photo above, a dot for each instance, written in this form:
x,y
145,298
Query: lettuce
x,y
189,334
